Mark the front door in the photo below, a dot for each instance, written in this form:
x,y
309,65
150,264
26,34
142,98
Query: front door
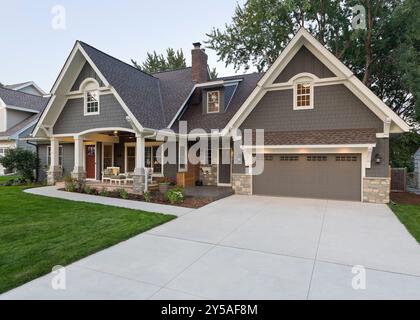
x,y
90,162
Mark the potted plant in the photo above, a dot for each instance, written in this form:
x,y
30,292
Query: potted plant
x,y
164,185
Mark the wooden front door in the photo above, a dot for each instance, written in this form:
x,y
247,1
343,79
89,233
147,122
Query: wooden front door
x,y
90,162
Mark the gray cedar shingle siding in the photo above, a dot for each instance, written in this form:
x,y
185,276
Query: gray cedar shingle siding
x,y
335,107
193,112
87,72
382,169
73,120
68,160
304,61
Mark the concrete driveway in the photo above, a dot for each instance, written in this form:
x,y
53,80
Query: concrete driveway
x,y
245,247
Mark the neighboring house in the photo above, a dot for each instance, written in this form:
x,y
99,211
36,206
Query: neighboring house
x,y
326,134
27,87
416,160
19,112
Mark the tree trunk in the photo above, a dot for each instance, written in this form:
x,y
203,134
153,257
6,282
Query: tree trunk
x,y
368,43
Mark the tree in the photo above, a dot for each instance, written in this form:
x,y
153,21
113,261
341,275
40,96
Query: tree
x,y
24,162
384,55
213,73
402,148
158,62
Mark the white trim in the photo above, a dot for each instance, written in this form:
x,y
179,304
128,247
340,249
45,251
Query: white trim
x,y
60,146
300,81
78,48
149,144
17,133
85,103
21,109
218,98
343,73
103,151
217,83
101,130
312,146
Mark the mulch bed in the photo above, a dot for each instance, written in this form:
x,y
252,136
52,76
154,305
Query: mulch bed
x,y
157,197
405,198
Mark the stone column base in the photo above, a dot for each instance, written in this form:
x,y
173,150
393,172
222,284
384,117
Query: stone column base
x,y
138,181
208,174
78,174
54,175
376,190
242,183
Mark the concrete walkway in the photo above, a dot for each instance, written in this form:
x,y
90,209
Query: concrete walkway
x,y
251,247
130,204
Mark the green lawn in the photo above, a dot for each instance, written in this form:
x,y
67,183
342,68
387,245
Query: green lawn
x,y
409,215
37,233
7,178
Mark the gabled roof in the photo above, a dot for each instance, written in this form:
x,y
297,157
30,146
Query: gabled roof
x,y
13,98
22,85
139,90
304,38
194,115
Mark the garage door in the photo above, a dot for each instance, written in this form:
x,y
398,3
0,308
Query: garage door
x,y
326,176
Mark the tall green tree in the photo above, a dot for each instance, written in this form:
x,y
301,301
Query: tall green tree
x,y
384,54
158,62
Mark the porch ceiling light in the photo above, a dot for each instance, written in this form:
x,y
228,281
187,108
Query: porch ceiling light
x,y
115,133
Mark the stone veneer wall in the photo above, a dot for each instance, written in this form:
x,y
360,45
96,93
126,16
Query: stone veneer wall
x,y
376,190
210,178
242,183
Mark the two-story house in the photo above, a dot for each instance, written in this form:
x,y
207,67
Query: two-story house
x,y
326,135
20,107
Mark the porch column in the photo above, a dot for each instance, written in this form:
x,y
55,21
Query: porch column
x,y
54,172
79,172
139,178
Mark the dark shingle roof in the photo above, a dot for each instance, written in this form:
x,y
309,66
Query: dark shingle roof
x,y
153,99
310,137
195,117
23,100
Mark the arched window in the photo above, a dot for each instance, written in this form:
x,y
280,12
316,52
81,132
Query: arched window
x,y
90,88
303,93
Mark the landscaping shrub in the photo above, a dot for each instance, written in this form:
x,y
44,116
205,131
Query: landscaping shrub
x,y
89,190
147,196
24,162
70,186
122,193
104,192
175,195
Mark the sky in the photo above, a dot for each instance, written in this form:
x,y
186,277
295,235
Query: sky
x,y
33,48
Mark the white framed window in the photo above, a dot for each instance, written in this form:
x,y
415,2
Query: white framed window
x,y
3,152
153,159
303,95
60,155
183,159
213,101
107,155
92,102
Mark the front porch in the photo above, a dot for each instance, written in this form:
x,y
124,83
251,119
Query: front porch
x,y
106,158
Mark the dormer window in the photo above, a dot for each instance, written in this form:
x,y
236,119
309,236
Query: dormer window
x,y
92,102
303,95
90,87
213,101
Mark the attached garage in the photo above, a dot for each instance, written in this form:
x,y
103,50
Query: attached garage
x,y
324,176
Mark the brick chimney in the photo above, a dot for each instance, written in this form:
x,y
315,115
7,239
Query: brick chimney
x,y
199,64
